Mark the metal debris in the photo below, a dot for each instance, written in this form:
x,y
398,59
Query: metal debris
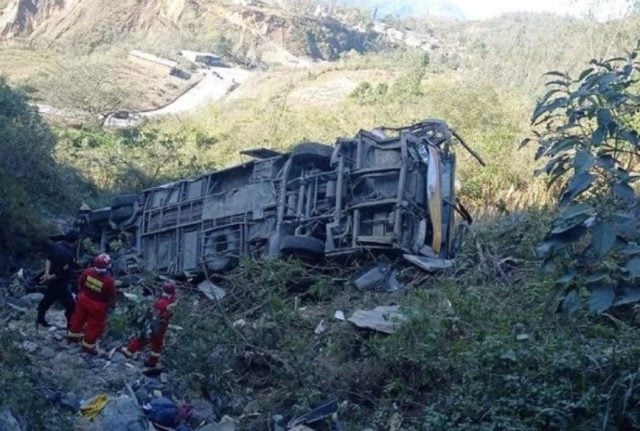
x,y
379,276
322,327
211,291
339,315
382,318
324,410
429,264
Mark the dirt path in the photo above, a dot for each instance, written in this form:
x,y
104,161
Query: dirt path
x,y
217,81
215,84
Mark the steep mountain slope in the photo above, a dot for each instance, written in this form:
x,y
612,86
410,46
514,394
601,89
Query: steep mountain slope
x,y
244,30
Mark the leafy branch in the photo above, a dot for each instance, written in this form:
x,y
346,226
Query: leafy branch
x,y
586,130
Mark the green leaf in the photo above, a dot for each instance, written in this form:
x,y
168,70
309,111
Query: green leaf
x,y
603,238
604,118
557,73
560,102
630,250
561,146
598,136
606,80
601,298
585,73
583,161
560,82
571,217
570,303
550,93
606,161
578,210
597,278
567,278
630,136
625,192
629,296
633,266
578,185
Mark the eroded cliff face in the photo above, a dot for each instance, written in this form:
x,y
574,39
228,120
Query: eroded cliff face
x,y
21,17
250,30
60,19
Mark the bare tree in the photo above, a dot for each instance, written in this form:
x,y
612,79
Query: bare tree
x,y
86,88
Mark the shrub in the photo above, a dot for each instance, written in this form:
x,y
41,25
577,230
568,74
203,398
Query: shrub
x,y
28,172
588,134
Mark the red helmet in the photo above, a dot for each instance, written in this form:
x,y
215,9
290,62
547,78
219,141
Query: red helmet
x,y
169,287
102,261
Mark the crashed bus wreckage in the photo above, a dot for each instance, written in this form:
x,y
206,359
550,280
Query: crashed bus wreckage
x,y
387,190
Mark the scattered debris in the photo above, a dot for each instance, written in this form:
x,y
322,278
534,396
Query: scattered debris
x,y
383,318
339,315
240,323
17,304
509,355
122,413
162,411
324,410
252,408
211,291
47,352
32,298
523,337
94,406
131,297
429,264
29,346
322,327
276,423
380,276
225,424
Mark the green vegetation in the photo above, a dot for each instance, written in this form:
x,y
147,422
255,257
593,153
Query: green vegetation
x,y
30,179
484,347
588,133
490,120
482,350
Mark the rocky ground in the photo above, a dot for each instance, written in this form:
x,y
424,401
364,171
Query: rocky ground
x,y
69,379
233,370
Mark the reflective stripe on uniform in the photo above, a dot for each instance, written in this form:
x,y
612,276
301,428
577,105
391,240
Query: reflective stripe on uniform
x,y
87,345
127,352
75,334
155,354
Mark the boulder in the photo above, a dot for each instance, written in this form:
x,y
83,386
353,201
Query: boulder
x,y
122,414
226,424
8,421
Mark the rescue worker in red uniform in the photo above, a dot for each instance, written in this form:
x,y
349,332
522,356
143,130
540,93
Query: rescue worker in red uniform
x,y
96,295
155,329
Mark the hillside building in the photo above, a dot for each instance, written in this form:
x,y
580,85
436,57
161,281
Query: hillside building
x,y
206,58
157,64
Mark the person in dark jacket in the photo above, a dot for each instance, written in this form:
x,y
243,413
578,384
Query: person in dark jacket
x,y
58,276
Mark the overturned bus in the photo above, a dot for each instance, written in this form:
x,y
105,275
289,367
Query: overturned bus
x,y
386,190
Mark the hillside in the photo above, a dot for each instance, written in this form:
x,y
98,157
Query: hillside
x,y
242,30
503,340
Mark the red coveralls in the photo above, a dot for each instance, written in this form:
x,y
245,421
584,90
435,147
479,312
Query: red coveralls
x,y
162,315
96,293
